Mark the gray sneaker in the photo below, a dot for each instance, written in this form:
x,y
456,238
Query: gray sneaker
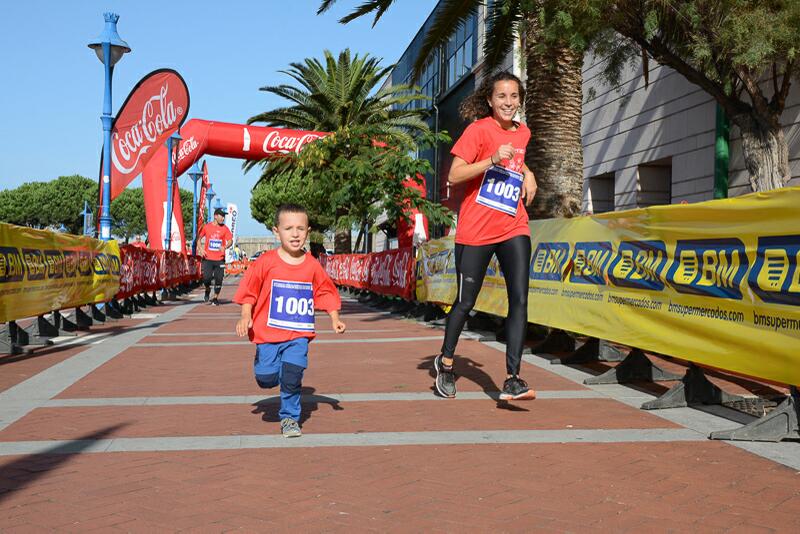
x,y
445,378
290,428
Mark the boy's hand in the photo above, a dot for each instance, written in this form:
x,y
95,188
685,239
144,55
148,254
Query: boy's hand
x,y
339,327
243,326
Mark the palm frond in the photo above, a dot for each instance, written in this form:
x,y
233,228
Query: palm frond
x,y
501,29
450,16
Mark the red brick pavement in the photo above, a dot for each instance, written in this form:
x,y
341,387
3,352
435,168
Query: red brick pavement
x,y
568,487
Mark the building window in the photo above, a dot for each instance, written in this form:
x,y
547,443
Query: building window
x,y
429,81
655,183
460,52
601,193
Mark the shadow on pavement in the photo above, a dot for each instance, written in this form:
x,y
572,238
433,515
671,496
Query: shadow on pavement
x,y
471,370
310,402
23,471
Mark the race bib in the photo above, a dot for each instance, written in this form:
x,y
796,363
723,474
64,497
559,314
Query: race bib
x,y
214,244
291,306
500,189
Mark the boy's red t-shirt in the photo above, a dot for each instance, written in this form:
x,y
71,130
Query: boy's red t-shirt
x,y
479,224
217,236
286,314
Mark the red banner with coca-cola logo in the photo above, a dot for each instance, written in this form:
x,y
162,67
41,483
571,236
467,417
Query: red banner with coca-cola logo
x,y
202,137
388,273
154,110
145,270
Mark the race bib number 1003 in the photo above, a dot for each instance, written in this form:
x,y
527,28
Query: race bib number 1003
x,y
500,189
291,306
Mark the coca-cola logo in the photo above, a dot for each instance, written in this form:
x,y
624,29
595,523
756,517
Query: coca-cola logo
x,y
401,269
156,108
274,142
186,148
159,114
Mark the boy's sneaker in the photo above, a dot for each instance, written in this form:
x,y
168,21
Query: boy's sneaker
x,y
290,428
445,378
215,302
206,299
515,388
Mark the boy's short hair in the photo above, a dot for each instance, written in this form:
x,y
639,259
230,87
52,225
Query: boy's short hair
x,y
288,208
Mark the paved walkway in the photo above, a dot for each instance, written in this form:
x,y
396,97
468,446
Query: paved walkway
x,y
156,425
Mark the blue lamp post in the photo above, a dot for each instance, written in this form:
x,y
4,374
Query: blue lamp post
x,y
210,194
172,144
109,48
195,173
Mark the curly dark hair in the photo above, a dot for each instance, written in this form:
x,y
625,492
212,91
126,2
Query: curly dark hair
x,y
476,105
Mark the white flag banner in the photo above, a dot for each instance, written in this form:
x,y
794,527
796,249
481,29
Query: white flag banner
x,y
231,221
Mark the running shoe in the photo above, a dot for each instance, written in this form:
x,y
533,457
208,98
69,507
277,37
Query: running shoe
x,y
206,299
290,428
215,302
445,378
515,388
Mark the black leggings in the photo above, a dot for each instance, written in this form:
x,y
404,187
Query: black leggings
x,y
213,269
514,256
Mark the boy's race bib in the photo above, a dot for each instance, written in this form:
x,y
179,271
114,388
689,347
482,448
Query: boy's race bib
x,y
291,306
500,189
214,244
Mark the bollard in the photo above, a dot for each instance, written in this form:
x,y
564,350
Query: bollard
x,y
781,424
97,314
635,367
8,343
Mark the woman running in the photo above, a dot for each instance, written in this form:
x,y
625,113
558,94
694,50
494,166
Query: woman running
x,y
490,158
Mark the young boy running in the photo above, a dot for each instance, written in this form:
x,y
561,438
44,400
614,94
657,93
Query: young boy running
x,y
278,294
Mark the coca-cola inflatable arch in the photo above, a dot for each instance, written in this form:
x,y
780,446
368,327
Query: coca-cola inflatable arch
x,y
156,108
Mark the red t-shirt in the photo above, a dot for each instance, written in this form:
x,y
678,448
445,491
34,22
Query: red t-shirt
x,y
284,297
217,237
479,224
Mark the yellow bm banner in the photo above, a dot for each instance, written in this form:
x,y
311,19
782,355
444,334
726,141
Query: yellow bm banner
x,y
41,271
715,282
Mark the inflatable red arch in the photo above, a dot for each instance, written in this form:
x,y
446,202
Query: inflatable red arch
x,y
227,140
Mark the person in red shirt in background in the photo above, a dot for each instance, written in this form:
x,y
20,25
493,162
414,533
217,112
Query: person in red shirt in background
x,y
278,294
489,158
217,237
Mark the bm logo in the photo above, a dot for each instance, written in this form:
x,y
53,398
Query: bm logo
x,y
637,265
774,276
589,263
548,261
709,267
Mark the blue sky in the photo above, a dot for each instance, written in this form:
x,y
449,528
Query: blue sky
x,y
52,90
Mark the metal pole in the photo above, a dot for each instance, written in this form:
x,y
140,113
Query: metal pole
x,y
105,214
168,236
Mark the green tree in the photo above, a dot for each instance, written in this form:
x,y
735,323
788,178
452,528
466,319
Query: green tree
x,y
333,95
128,213
347,179
338,94
54,203
554,94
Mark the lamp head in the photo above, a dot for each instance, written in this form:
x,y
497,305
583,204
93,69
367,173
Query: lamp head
x,y
109,35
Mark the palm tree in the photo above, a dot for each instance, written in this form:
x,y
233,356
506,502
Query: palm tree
x,y
554,93
340,93
337,94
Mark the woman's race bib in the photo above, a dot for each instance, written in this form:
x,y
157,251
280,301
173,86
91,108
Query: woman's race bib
x,y
291,306
214,244
500,189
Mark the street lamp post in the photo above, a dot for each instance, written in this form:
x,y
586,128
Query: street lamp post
x,y
210,194
109,48
172,143
195,173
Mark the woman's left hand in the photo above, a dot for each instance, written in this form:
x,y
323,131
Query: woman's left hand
x,y
528,188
